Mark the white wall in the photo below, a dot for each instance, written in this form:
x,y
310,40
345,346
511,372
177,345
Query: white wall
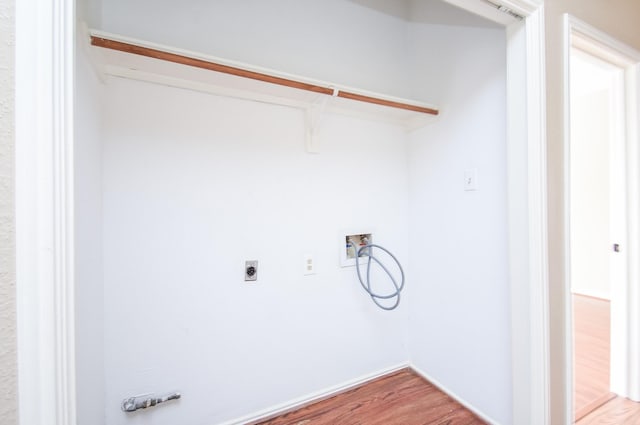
x,y
459,291
8,334
590,199
332,40
88,242
194,185
89,12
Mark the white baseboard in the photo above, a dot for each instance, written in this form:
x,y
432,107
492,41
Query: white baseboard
x,y
603,295
294,404
453,395
313,397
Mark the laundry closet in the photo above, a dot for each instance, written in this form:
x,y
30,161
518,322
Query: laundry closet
x,y
183,174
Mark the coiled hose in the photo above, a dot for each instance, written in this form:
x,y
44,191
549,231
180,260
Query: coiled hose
x,y
367,250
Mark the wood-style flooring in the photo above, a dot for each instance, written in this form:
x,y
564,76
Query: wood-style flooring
x,y
618,411
591,322
594,404
401,398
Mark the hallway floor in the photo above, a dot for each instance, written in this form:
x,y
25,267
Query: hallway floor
x,y
591,353
618,411
594,404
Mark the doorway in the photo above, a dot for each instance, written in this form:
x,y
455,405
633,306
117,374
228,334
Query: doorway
x,y
601,203
597,132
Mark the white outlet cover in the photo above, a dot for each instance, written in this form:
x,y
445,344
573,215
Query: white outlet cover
x,y
309,265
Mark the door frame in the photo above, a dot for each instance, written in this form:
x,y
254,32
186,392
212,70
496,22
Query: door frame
x,y
45,30
44,208
625,305
527,219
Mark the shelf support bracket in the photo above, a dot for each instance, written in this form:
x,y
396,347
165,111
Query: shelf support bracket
x,y
313,119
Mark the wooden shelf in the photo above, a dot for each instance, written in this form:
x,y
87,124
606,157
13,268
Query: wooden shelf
x,y
124,57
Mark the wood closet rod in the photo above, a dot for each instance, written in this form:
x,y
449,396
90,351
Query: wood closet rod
x,y
239,72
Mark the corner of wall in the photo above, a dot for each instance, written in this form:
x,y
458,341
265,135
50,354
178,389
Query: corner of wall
x,y
90,376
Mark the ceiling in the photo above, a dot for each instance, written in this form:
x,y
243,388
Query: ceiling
x,y
428,11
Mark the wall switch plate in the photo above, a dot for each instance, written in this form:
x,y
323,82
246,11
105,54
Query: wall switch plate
x,y
251,270
309,265
471,179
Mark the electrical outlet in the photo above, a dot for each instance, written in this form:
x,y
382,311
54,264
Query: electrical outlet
x,y
251,270
309,265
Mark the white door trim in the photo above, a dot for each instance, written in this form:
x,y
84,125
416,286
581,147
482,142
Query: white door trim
x,y
44,211
625,378
538,282
633,228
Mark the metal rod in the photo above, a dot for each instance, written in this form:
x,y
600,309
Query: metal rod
x,y
132,404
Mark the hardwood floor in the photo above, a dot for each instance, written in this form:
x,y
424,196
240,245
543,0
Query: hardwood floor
x,y
618,411
401,398
591,349
594,404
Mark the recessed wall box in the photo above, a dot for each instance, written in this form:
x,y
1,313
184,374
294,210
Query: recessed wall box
x,y
350,244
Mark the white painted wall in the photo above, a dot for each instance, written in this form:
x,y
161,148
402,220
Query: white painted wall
x,y
331,40
89,309
89,11
590,145
194,185
459,293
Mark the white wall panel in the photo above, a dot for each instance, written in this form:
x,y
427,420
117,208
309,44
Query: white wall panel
x,y
194,185
459,322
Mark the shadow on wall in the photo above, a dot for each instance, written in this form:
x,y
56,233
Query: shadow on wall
x,y
435,12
